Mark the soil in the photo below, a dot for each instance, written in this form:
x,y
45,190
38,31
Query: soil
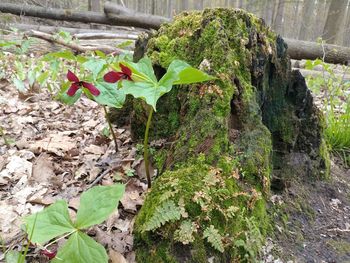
x,y
312,220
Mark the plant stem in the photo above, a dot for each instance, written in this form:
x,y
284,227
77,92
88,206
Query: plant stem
x,y
145,148
111,128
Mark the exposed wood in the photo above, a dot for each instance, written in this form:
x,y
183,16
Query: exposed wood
x,y
76,47
103,35
298,49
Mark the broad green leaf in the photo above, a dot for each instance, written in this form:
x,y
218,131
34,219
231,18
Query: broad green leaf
x,y
100,54
53,221
110,95
13,257
95,66
66,54
19,85
80,248
97,204
191,75
173,71
147,91
142,68
63,96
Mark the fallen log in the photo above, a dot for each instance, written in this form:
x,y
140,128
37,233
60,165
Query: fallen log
x,y
85,17
299,49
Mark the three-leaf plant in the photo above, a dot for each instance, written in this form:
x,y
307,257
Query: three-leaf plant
x,y
54,221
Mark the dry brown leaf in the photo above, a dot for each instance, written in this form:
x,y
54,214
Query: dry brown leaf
x,y
43,170
55,143
94,149
116,257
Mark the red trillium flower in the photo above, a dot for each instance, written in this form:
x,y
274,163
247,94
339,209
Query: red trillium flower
x,y
114,76
77,84
49,254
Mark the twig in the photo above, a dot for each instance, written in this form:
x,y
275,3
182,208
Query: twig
x,y
99,178
79,48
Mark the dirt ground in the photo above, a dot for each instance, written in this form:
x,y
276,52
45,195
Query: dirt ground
x,y
312,221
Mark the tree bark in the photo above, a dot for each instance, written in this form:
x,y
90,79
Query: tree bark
x,y
307,16
228,138
298,49
142,21
94,5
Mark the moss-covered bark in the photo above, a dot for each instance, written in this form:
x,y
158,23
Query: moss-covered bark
x,y
230,136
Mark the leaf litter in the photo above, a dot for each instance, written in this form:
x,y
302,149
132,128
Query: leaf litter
x,y
53,152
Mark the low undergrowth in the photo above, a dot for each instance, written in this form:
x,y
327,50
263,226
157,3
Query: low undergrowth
x,y
332,90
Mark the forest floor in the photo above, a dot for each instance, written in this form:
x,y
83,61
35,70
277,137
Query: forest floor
x,y
50,151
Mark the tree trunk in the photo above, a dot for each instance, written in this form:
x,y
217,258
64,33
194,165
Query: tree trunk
x,y
278,21
334,20
306,20
229,137
94,5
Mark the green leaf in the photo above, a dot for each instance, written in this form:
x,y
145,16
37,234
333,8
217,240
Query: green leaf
x,y
66,54
19,85
143,68
100,54
125,44
192,75
168,211
53,221
110,95
43,77
13,257
69,100
179,72
97,204
148,91
214,238
95,66
81,248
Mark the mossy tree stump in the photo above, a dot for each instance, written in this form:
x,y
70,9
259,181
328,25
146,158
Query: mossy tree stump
x,y
229,138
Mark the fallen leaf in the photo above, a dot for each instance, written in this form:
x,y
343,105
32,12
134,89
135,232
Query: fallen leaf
x,y
116,257
42,170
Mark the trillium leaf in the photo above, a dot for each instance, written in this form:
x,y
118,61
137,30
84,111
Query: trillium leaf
x,y
149,92
179,72
110,95
97,204
95,66
53,221
65,98
142,68
191,75
80,248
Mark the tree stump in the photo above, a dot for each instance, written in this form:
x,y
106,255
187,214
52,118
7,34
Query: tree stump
x,y
231,138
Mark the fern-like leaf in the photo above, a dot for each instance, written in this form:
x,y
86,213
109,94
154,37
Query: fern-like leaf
x,y
214,238
185,233
166,212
